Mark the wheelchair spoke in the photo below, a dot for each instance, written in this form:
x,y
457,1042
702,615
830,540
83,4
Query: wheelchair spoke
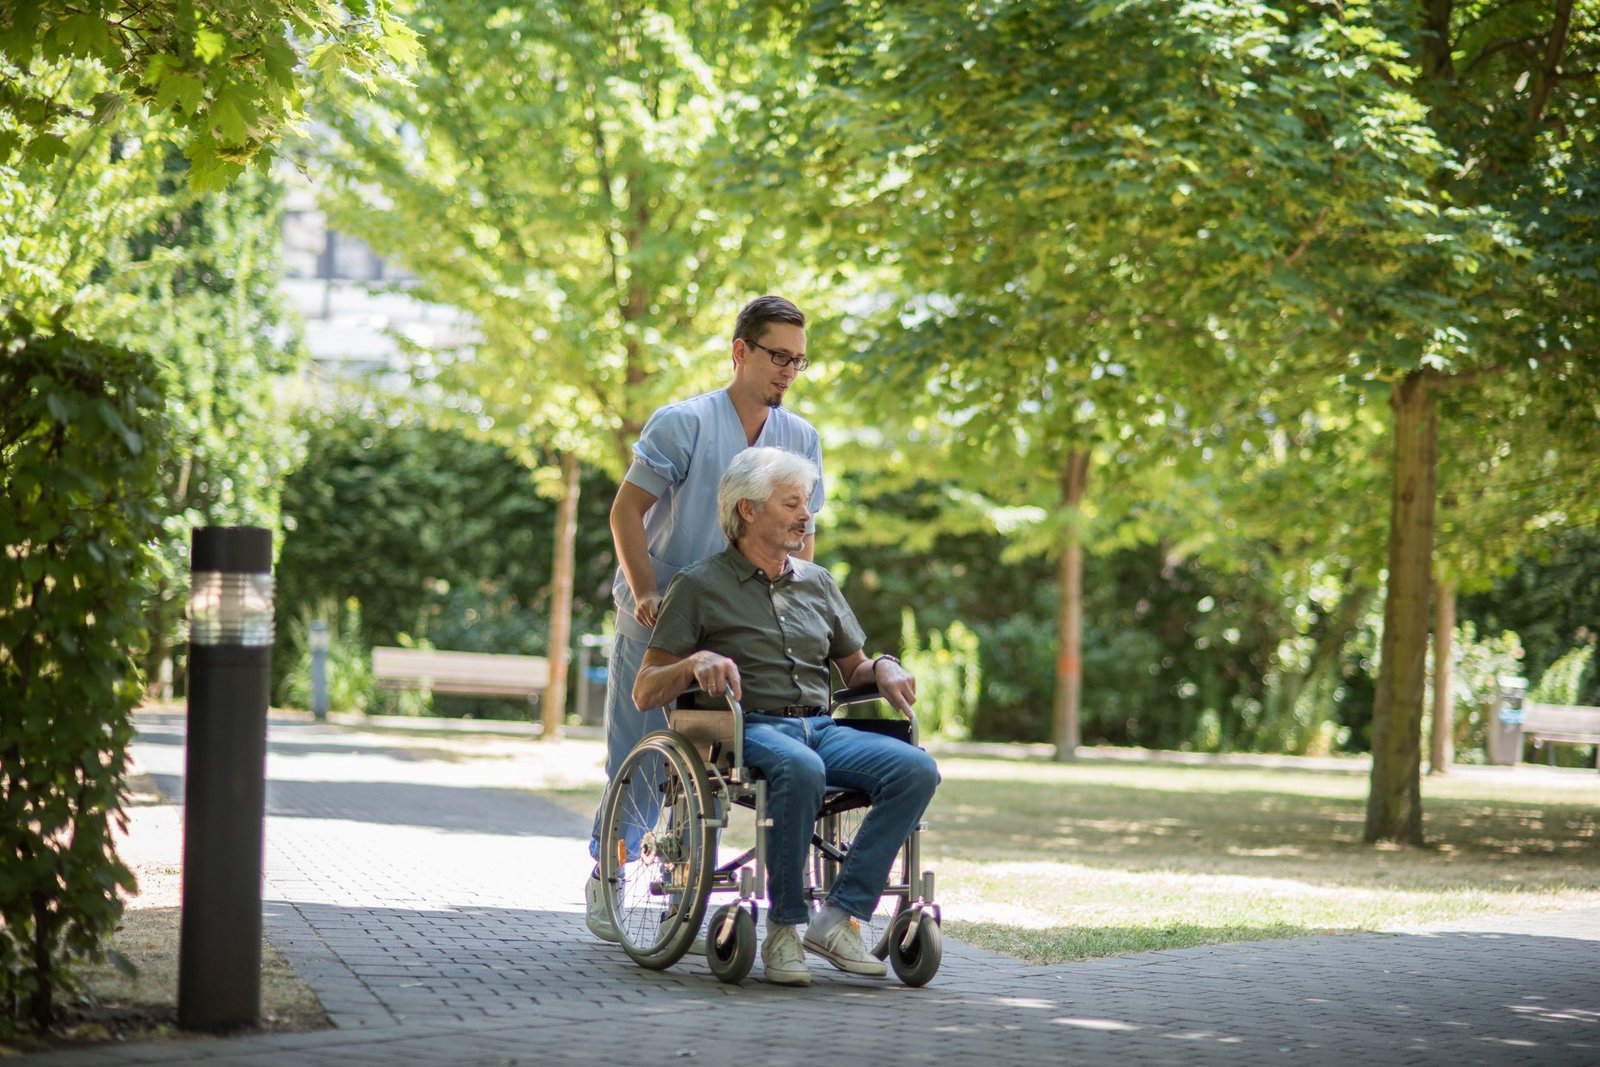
x,y
654,854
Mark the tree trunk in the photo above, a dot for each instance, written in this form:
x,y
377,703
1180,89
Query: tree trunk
x,y
1069,651
555,694
1394,805
1442,750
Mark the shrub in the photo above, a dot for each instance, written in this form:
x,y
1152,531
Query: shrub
x,y
949,676
349,664
1480,663
1561,681
78,467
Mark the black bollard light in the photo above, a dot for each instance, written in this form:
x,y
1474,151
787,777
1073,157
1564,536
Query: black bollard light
x,y
230,673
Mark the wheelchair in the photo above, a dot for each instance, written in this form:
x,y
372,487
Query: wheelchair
x,y
661,823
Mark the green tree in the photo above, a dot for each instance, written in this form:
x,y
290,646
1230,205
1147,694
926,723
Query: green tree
x,y
117,247
1231,195
1549,597
1103,220
557,173
1508,88
225,349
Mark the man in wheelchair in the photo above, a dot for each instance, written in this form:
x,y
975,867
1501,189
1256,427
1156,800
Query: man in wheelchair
x,y
762,624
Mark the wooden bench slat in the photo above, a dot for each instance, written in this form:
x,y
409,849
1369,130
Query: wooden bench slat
x,y
1554,724
1560,719
469,673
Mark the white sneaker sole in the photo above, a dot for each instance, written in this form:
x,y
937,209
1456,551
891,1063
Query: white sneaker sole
x,y
782,978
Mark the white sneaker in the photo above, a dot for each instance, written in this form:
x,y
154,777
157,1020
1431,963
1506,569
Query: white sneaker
x,y
594,912
782,959
840,944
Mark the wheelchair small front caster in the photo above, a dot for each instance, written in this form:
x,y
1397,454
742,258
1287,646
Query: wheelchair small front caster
x,y
732,960
917,961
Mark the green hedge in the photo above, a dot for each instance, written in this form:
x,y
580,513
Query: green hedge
x,y
79,426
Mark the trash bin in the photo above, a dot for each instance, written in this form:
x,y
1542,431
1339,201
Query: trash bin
x,y
1504,729
594,658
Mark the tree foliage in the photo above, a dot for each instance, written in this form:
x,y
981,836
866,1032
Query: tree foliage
x,y
1131,220
225,72
224,346
139,339
1105,220
439,537
556,172
119,248
1550,597
79,426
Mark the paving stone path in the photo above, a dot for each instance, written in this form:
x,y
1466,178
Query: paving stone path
x,y
435,907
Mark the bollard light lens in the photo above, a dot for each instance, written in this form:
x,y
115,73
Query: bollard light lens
x,y
227,608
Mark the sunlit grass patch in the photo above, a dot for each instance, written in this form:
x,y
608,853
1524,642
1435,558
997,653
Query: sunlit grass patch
x,y
1061,862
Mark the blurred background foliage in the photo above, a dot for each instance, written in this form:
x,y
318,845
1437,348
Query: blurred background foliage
x,y
987,301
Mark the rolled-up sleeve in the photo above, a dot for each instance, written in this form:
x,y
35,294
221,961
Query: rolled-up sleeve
x,y
661,455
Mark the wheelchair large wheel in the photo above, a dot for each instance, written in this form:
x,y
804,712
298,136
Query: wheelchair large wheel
x,y
837,828
656,849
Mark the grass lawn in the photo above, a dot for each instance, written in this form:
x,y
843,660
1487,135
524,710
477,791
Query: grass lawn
x,y
1060,862
1053,862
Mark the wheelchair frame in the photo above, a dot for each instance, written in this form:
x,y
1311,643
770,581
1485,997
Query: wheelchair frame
x,y
662,818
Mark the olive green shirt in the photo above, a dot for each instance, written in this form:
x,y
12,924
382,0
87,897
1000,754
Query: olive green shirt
x,y
781,633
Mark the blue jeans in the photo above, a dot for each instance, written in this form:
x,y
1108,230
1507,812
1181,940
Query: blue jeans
x,y
626,726
800,758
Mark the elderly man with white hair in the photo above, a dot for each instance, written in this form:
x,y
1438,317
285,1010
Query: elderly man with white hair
x,y
759,622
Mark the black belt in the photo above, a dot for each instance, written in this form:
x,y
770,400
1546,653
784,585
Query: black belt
x,y
793,711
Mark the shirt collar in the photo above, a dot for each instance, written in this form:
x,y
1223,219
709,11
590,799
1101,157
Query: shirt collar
x,y
745,570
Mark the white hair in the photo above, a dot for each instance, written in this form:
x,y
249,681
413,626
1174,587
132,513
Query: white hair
x,y
755,474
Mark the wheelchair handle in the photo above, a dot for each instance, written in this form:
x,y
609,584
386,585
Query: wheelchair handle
x,y
738,734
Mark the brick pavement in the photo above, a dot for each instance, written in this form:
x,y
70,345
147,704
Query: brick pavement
x,y
436,910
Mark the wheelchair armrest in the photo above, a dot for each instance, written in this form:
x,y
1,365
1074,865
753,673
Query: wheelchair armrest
x,y
855,695
905,729
702,710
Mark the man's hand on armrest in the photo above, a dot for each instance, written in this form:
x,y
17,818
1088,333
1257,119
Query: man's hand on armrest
x,y
664,677
895,683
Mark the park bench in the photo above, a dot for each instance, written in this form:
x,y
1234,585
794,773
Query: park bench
x,y
484,674
1553,724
